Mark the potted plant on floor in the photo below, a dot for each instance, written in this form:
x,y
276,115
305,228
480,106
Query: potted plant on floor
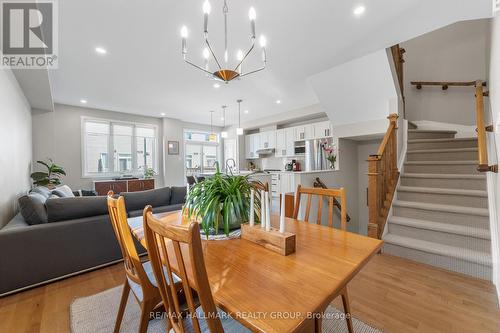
x,y
51,178
221,202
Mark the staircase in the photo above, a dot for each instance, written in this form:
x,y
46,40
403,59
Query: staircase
x,y
440,211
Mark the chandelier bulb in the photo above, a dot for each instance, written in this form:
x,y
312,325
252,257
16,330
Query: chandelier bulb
x,y
206,7
262,41
252,15
184,32
239,55
206,53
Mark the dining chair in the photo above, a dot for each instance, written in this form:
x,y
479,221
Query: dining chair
x,y
330,195
181,244
190,180
139,275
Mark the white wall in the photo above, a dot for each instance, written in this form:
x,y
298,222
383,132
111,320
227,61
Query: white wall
x,y
15,141
453,53
494,143
57,135
358,90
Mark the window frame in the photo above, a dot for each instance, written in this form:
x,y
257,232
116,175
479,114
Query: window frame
x,y
217,144
111,154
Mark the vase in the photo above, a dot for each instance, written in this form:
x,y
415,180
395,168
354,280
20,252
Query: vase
x,y
234,222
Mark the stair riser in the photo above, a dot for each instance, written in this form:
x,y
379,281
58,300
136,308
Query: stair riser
x,y
449,263
443,156
442,145
469,184
444,199
444,217
468,242
429,135
442,168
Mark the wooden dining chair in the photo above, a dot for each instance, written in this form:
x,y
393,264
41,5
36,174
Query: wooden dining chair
x,y
331,195
181,244
139,275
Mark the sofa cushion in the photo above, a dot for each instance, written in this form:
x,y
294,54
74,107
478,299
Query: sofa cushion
x,y
32,207
42,190
156,210
61,209
139,200
178,195
63,192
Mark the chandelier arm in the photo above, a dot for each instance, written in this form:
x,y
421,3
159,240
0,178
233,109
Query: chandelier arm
x,y
199,67
246,54
254,71
212,52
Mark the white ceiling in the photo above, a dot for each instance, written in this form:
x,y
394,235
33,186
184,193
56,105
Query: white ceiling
x,y
143,72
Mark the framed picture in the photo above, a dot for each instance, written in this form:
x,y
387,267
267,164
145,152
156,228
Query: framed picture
x,y
173,147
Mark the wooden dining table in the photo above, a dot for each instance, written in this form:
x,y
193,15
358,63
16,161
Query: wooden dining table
x,y
269,292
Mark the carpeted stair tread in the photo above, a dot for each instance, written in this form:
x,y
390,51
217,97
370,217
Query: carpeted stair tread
x,y
443,208
435,190
444,175
431,131
478,257
441,140
441,150
441,227
467,162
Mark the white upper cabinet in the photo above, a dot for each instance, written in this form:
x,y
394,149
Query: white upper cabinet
x,y
268,139
281,143
290,141
322,130
304,132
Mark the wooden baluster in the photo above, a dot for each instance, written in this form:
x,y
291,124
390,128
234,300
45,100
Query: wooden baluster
x,y
373,195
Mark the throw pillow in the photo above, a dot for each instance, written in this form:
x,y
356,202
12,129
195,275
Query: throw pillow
x,y
63,192
32,207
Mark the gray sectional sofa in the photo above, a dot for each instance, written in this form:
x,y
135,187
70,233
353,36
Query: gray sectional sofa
x,y
55,237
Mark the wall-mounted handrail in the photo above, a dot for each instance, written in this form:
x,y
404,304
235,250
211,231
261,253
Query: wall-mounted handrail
x,y
484,165
383,176
445,84
397,57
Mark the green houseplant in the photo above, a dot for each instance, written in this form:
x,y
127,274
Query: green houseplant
x,y
51,177
221,202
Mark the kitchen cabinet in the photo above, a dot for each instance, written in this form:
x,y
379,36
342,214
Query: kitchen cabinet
x,y
251,145
267,139
290,141
281,143
287,182
322,130
248,147
304,132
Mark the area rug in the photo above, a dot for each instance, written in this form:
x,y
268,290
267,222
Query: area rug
x,y
97,314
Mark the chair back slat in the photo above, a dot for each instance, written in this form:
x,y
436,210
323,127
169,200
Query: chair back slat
x,y
320,193
178,249
132,262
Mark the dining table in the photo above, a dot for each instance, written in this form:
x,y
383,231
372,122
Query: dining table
x,y
269,292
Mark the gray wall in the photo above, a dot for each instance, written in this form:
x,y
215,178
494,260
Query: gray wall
x,y
16,148
58,135
173,130
454,53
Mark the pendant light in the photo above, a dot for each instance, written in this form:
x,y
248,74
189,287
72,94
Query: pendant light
x,y
223,134
239,130
212,137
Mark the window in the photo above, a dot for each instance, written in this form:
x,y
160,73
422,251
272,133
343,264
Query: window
x,y
113,148
201,152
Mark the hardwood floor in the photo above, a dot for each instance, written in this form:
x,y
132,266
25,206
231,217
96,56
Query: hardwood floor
x,y
390,293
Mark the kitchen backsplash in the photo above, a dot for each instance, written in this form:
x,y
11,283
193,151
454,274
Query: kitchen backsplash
x,y
275,163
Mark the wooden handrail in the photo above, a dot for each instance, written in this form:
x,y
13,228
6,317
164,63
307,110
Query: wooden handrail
x,y
445,84
481,131
383,176
397,57
319,183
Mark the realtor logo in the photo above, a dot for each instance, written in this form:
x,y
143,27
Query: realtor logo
x,y
29,34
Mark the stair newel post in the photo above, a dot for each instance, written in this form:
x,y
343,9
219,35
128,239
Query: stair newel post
x,y
374,191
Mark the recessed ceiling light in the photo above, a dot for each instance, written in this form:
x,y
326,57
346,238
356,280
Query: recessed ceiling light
x,y
162,114
246,111
359,10
83,101
101,50
278,101
216,85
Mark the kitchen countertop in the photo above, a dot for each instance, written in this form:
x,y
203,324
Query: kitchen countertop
x,y
305,172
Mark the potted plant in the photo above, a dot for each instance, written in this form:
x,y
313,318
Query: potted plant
x,y
330,154
51,177
221,202
149,173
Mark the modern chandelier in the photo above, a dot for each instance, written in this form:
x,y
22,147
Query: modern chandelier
x,y
224,72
